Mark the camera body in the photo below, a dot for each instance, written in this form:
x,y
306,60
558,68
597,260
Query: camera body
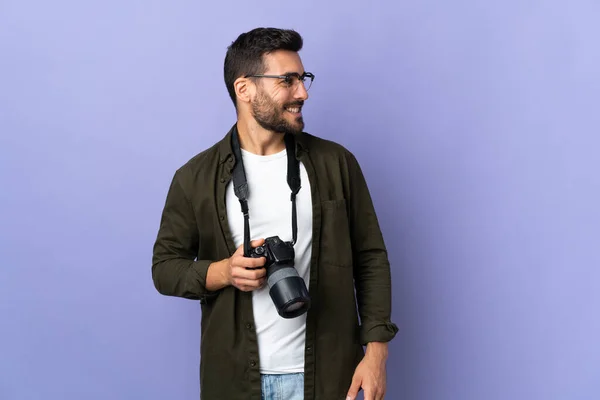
x,y
276,251
286,288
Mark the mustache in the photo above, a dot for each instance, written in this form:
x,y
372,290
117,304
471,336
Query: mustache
x,y
295,104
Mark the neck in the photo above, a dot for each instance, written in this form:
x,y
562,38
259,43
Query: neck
x,y
255,139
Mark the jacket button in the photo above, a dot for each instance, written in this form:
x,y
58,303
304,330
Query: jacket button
x,y
249,326
253,363
222,180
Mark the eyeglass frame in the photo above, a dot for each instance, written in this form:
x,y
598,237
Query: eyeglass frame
x,y
300,77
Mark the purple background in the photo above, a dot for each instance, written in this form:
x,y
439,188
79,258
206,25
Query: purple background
x,y
476,124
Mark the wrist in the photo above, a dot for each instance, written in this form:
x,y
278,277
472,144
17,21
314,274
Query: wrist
x,y
377,350
216,276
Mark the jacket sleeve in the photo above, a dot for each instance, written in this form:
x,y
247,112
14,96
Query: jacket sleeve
x,y
371,266
175,270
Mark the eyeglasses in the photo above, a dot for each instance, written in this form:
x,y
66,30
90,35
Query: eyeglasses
x,y
291,80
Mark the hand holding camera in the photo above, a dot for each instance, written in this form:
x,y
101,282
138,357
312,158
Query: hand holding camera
x,y
246,273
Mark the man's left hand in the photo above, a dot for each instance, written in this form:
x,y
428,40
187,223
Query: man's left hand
x,y
370,374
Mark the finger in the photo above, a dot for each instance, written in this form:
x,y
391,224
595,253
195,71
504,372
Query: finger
x,y
248,282
248,272
242,280
253,243
253,274
354,387
247,262
247,285
255,262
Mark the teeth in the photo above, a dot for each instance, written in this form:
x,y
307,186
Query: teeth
x,y
294,110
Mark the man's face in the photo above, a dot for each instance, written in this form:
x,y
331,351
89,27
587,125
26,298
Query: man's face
x,y
277,106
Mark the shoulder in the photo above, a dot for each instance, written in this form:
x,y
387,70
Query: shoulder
x,y
210,156
203,165
327,150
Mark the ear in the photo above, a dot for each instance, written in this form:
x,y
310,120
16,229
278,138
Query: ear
x,y
243,89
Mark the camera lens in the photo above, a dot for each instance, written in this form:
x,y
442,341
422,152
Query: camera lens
x,y
288,292
286,288
295,306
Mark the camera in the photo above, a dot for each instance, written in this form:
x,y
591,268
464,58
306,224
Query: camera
x,y
286,288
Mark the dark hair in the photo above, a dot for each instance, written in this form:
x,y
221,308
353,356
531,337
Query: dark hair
x,y
245,55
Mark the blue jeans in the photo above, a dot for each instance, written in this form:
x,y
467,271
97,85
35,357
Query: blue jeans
x,y
282,387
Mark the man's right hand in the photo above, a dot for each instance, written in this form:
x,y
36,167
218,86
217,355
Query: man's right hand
x,y
237,271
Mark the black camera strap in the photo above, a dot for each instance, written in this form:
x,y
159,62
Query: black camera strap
x,y
240,184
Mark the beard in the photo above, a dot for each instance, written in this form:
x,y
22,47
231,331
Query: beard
x,y
270,115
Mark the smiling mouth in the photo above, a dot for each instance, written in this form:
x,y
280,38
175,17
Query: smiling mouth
x,y
294,110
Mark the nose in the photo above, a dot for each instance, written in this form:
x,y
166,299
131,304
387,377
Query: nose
x,y
301,93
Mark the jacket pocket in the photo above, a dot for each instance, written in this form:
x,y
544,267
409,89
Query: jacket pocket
x,y
336,247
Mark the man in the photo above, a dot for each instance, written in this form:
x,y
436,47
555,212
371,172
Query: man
x,y
240,187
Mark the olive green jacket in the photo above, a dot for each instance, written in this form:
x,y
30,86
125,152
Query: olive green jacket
x,y
349,272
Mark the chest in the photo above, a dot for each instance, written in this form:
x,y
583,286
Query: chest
x,y
269,202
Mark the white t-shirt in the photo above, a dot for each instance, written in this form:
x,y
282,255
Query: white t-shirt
x,y
280,340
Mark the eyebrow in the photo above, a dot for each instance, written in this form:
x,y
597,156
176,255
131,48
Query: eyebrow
x,y
293,73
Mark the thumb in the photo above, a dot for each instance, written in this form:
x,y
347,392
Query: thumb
x,y
354,387
253,243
